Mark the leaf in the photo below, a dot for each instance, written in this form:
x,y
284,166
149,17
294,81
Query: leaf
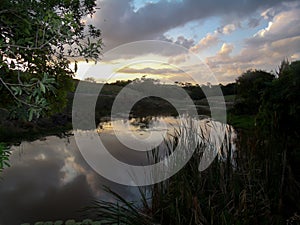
x,y
58,222
15,90
36,92
12,65
30,114
36,38
42,87
34,79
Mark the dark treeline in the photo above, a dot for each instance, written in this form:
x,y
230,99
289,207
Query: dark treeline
x,y
194,90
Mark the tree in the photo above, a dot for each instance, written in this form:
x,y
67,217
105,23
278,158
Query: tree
x,y
250,87
283,67
90,79
38,38
280,109
229,89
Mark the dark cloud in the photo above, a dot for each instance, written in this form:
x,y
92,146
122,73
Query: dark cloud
x,y
157,47
253,22
148,70
181,40
120,23
285,24
187,43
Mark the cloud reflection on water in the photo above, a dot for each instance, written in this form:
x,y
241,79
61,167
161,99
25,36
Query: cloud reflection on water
x,y
49,180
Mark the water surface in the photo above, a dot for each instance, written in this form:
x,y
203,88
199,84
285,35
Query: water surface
x,y
49,179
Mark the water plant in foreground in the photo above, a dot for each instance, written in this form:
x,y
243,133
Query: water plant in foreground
x,y
4,156
255,189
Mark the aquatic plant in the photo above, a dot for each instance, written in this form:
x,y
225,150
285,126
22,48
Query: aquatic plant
x,y
4,156
251,185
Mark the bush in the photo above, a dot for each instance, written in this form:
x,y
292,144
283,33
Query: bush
x,y
250,88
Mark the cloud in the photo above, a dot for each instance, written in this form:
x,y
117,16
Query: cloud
x,y
253,22
206,42
280,39
145,50
181,40
187,43
222,57
178,59
285,24
295,56
148,70
222,64
212,39
229,28
226,49
121,23
228,67
269,13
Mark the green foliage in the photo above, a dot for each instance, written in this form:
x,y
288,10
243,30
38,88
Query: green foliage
x,y
119,212
253,190
279,115
280,109
250,87
4,156
195,91
121,83
245,122
229,98
229,89
37,41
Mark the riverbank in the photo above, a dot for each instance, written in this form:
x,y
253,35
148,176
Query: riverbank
x,y
13,131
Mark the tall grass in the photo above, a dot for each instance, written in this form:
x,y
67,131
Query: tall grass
x,y
4,156
251,185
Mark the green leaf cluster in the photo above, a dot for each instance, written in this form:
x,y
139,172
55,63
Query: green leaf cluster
x,y
280,109
4,156
38,39
250,88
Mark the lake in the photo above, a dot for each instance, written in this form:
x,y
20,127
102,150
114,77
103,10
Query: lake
x,y
50,180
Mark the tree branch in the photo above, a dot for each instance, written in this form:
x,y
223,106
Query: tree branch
x,y
15,97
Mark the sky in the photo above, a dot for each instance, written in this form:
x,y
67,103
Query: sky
x,y
227,37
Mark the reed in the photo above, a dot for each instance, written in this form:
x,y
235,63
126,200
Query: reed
x,y
4,156
252,184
